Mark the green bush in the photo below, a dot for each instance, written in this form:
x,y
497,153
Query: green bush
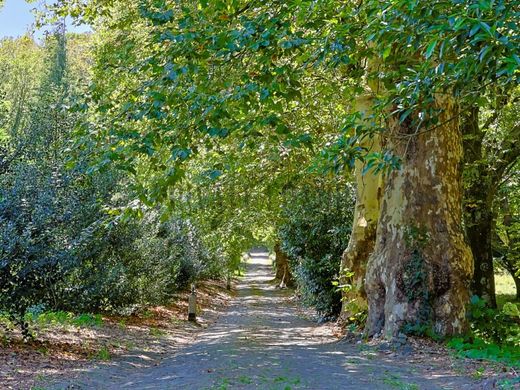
x,y
494,325
137,263
494,334
314,234
35,247
64,246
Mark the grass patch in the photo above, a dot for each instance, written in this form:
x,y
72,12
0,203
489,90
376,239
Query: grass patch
x,y
394,381
504,284
505,288
155,332
245,380
103,354
256,292
65,318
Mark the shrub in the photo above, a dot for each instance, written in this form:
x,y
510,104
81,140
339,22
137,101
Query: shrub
x,y
495,325
34,246
494,334
314,234
139,262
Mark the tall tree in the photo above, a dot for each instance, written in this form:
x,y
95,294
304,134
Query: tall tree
x,y
491,150
506,240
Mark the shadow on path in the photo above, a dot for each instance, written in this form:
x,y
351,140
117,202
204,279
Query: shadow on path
x,y
261,342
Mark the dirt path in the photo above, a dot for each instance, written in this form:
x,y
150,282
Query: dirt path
x,y
262,342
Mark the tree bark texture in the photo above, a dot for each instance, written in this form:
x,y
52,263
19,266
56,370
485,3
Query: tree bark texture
x,y
419,273
479,193
366,214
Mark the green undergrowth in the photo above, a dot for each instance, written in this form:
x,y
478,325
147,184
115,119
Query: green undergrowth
x,y
65,318
53,318
477,348
494,334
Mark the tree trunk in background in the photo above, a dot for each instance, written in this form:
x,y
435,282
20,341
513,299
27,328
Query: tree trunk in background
x,y
366,214
479,230
283,271
478,208
419,273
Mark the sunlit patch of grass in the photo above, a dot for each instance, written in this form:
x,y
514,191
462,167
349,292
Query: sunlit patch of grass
x,y
504,288
396,382
103,354
65,318
155,332
504,284
478,373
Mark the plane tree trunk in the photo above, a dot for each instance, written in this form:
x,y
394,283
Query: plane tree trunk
x,y
366,214
419,273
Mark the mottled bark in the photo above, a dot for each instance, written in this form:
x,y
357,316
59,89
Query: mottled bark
x,y
366,214
421,267
283,271
479,193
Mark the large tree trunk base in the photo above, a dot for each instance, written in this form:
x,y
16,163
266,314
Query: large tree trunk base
x,y
418,276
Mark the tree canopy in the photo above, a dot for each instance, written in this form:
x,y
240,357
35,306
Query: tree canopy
x,y
193,130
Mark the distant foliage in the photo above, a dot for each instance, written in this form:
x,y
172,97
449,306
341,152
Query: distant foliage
x,y
314,236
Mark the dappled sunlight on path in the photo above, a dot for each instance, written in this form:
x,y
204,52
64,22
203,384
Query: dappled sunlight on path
x,y
261,342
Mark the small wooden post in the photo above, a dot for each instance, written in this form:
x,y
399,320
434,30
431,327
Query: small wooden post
x,y
228,281
192,305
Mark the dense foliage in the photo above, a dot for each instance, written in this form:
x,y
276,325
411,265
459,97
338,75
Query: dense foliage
x,y
314,235
63,242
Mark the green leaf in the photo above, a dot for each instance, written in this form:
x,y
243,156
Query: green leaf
x,y
386,52
474,29
430,49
